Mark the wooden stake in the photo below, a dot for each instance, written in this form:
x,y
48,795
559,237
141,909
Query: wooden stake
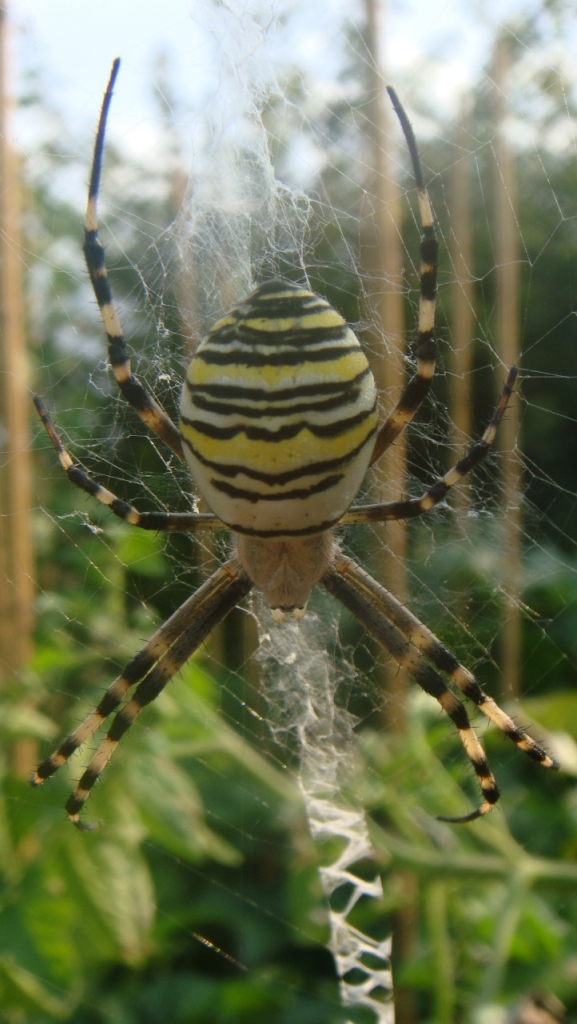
x,y
382,264
508,344
383,269
462,309
16,573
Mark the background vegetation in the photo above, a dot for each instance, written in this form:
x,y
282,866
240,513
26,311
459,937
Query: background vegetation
x,y
198,899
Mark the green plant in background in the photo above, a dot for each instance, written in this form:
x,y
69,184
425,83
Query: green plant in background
x,y
198,897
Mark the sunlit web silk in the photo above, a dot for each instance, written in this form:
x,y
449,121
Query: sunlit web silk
x,y
300,686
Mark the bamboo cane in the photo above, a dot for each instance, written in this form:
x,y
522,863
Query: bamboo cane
x,y
16,574
462,308
508,346
382,265
384,253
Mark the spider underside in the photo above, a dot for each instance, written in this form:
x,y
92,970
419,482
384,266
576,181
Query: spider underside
x,y
283,531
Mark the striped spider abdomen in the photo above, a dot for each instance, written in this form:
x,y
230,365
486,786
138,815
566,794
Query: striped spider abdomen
x,y
278,414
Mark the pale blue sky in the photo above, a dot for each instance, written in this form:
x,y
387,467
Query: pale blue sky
x,y
440,49
74,41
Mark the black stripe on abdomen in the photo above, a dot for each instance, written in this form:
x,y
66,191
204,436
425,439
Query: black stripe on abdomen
x,y
290,430
291,358
257,412
294,336
298,493
278,479
227,392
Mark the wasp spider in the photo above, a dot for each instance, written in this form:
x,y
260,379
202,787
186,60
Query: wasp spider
x,y
278,426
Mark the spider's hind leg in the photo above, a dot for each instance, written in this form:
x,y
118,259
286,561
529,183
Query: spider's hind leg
x,y
425,641
162,657
139,667
340,581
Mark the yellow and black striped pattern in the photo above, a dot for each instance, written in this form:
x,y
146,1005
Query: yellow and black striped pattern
x,y
278,414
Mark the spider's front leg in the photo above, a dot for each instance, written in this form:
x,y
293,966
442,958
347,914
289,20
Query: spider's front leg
x,y
189,522
147,408
409,508
419,384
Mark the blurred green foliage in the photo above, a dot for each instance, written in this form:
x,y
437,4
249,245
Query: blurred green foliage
x,y
198,897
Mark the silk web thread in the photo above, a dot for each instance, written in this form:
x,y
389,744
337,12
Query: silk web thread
x,y
301,683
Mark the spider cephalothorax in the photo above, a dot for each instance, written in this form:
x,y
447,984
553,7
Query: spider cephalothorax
x,y
278,427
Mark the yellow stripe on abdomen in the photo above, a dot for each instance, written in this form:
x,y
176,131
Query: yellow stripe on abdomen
x,y
271,376
278,456
278,414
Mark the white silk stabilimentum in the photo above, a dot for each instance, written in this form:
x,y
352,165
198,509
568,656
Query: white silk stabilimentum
x,y
299,684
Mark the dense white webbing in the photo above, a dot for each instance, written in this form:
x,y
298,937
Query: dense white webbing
x,y
299,683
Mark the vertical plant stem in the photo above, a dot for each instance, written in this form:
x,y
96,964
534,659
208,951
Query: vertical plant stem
x,y
441,953
405,920
517,889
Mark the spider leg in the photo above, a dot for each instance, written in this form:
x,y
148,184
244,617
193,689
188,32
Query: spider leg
x,y
420,383
147,408
133,673
340,581
163,656
189,521
426,641
408,508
